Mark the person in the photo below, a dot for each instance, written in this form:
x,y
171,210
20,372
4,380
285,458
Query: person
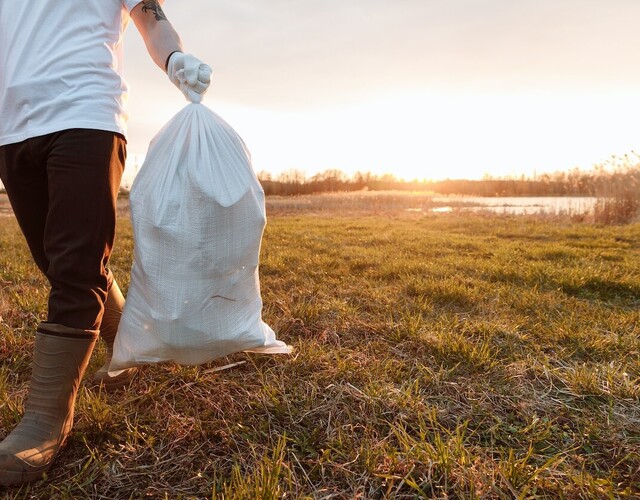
x,y
62,154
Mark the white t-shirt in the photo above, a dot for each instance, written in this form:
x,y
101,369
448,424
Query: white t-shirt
x,y
61,66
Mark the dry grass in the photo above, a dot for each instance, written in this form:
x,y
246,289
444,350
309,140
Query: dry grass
x,y
437,356
619,193
621,209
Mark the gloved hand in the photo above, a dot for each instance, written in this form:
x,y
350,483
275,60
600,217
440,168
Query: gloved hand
x,y
189,74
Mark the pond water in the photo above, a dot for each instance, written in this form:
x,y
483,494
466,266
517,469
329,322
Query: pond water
x,y
552,205
382,202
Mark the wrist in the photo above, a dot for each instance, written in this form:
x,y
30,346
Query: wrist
x,y
166,64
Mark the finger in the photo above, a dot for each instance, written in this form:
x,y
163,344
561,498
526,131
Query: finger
x,y
191,69
200,87
204,73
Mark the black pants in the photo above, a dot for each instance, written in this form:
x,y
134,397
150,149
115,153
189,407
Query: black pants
x,y
63,188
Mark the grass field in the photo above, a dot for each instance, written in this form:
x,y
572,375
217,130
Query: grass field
x,y
436,356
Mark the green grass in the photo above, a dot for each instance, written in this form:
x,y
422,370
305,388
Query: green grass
x,y
448,356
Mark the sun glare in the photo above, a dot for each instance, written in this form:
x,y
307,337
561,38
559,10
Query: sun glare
x,y
440,136
437,136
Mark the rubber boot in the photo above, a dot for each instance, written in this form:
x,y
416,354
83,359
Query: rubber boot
x,y
108,329
60,359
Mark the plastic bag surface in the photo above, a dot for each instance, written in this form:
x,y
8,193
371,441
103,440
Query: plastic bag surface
x,y
198,216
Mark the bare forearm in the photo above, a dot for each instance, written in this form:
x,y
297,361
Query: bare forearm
x,y
156,30
161,42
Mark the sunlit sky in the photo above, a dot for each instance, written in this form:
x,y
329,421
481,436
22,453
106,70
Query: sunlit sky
x,y
419,88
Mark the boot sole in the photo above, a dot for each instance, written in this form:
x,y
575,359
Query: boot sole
x,y
13,478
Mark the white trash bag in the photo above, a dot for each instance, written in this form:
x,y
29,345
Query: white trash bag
x,y
198,216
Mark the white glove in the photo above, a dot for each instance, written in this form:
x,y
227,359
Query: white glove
x,y
190,75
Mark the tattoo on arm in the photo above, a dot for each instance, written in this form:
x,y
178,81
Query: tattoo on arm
x,y
154,6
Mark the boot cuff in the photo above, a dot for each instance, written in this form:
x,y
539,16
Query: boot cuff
x,y
64,331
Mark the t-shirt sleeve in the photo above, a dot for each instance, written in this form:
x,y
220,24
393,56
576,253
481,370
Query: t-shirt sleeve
x,y
130,4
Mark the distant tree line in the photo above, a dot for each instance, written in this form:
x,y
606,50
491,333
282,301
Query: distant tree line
x,y
612,177
617,177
